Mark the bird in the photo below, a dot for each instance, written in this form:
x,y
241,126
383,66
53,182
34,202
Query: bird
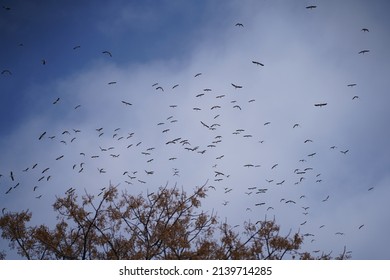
x,y
175,86
257,63
76,47
312,154
364,51
311,7
197,75
365,30
126,103
320,104
6,71
107,52
371,188
41,136
355,97
295,125
267,123
112,83
236,86
43,61
351,85
344,152
307,140
290,201
159,88
274,166
361,226
46,169
325,199
239,24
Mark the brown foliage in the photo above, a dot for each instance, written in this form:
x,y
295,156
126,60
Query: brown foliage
x,y
167,224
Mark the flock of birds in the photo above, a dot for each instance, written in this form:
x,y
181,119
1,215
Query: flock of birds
x,y
122,142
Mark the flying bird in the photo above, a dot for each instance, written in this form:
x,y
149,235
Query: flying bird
x,y
364,51
41,136
365,30
126,103
6,71
197,75
257,63
311,7
236,86
160,88
344,152
239,24
320,104
351,85
76,47
107,52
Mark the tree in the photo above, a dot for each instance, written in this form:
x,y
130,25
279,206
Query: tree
x,y
167,224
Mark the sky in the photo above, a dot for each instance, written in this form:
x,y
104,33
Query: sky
x,y
107,86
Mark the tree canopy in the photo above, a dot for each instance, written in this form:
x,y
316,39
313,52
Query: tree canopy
x,y
161,225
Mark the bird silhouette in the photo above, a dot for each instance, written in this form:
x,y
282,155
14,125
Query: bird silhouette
x,y
6,71
41,136
236,86
107,52
126,103
257,63
364,51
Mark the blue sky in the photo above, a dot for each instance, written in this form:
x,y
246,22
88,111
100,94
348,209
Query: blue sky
x,y
309,57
